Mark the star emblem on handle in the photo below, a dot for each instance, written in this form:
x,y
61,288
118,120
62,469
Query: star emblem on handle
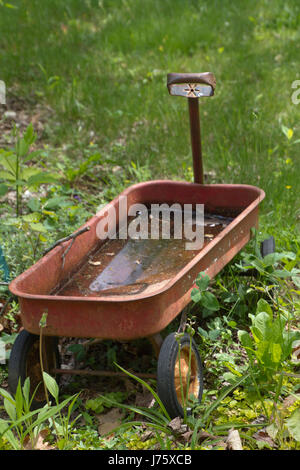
x,y
191,91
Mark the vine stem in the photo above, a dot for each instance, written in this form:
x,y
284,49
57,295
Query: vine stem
x,y
65,239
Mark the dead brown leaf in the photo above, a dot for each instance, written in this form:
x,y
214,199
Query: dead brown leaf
x,y
144,399
177,426
233,440
214,441
290,400
186,436
203,435
296,353
263,436
109,421
40,443
147,435
129,385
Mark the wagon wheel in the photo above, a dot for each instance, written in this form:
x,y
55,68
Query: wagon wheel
x,y
267,247
25,362
173,376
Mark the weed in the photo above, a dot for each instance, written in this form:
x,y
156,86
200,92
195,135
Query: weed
x,y
270,345
28,423
16,173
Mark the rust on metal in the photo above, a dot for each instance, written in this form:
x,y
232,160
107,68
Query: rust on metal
x,y
100,373
193,86
147,312
156,341
186,379
196,140
207,79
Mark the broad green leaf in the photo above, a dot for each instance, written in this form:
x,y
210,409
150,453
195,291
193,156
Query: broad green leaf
x,y
245,339
34,204
3,189
26,390
273,258
42,416
51,385
272,430
8,339
295,273
277,329
42,178
214,334
276,352
9,161
22,147
202,332
29,172
19,400
29,135
55,202
10,409
202,281
5,175
257,264
264,306
10,221
293,424
4,430
281,273
261,324
262,353
210,301
5,394
19,182
196,295
32,155
38,227
33,217
289,338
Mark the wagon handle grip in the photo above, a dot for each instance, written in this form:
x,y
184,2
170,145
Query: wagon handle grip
x,y
193,86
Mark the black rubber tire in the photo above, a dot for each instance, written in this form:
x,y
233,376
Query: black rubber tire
x,y
267,247
24,362
166,387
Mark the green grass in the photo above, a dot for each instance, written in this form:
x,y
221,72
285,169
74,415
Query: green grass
x,y
102,67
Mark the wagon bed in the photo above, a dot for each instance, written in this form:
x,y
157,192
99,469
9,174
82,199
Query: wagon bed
x,y
145,306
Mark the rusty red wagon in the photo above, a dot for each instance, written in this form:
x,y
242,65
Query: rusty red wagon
x,y
124,289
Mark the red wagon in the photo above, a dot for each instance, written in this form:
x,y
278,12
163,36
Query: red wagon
x,y
124,289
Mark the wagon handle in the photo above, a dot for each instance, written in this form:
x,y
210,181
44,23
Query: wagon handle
x,y
193,86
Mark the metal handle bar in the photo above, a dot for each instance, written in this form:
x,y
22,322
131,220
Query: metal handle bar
x,y
193,86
